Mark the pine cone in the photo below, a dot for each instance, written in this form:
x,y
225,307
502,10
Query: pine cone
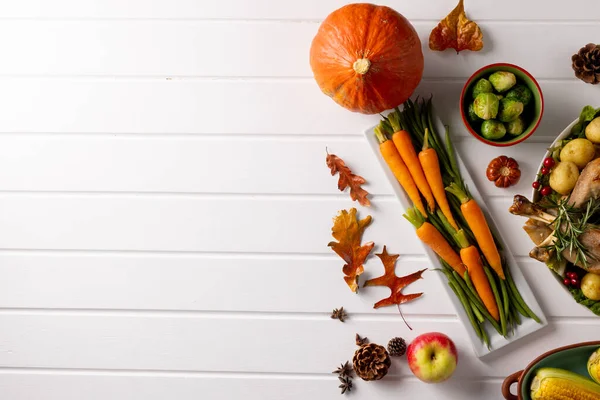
x,y
586,63
371,362
396,347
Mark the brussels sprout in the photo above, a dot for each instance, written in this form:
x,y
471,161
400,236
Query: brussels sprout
x,y
520,93
499,96
503,80
509,109
515,127
492,129
486,105
482,86
472,117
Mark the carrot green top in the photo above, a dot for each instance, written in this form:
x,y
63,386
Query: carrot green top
x,y
415,217
426,140
380,133
459,191
395,120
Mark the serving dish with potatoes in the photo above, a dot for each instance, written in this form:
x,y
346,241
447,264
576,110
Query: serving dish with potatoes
x,y
563,215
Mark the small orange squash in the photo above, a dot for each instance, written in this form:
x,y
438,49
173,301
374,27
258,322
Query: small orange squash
x,y
367,58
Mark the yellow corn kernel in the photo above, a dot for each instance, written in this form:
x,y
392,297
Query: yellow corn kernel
x,y
560,384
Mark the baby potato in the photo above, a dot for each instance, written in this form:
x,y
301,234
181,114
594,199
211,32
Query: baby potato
x,y
590,286
579,151
564,177
592,131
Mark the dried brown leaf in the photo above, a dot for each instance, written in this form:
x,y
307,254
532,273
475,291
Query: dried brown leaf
x,y
456,32
348,231
348,179
392,281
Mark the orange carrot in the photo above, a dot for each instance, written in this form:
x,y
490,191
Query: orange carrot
x,y
398,168
435,240
480,228
431,167
470,257
407,151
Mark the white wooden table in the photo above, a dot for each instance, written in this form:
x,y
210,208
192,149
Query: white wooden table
x,y
165,205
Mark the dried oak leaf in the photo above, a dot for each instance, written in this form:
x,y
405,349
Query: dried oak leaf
x,y
395,283
456,32
348,231
348,179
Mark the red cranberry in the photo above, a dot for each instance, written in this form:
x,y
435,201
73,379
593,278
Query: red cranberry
x,y
545,170
567,282
549,162
546,190
536,185
571,275
575,283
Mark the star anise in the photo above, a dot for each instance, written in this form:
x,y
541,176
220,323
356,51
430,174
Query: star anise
x,y
360,341
346,385
344,370
339,314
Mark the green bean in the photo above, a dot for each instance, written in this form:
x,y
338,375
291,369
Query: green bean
x,y
436,223
477,302
497,297
486,338
519,299
477,313
471,287
505,298
515,314
467,308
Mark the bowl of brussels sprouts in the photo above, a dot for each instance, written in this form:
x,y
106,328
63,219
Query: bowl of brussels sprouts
x,y
501,104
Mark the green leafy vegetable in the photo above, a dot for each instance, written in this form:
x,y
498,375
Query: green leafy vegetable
x,y
486,105
509,109
515,127
503,80
593,305
588,113
492,129
482,86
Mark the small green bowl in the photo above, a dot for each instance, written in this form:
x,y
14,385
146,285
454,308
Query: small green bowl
x,y
522,76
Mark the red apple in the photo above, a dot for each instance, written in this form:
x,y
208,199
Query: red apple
x,y
432,357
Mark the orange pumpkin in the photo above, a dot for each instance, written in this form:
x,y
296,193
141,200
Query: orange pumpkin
x,y
367,58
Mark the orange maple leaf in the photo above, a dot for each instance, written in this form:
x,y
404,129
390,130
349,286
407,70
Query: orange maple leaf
x,y
348,231
348,179
456,32
395,283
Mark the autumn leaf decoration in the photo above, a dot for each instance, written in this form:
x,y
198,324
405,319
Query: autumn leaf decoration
x,y
456,32
392,281
348,231
348,179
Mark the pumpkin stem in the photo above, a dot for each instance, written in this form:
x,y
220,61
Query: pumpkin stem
x,y
361,66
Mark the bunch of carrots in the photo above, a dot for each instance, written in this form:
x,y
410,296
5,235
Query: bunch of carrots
x,y
449,220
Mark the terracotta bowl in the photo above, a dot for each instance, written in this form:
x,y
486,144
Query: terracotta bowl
x,y
573,358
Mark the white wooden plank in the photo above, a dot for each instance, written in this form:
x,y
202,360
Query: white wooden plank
x,y
209,343
197,283
219,224
206,224
205,107
81,281
234,49
94,386
274,9
92,163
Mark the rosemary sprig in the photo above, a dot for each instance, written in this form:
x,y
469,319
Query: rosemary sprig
x,y
570,223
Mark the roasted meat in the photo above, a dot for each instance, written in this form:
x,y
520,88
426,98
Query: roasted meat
x,y
588,184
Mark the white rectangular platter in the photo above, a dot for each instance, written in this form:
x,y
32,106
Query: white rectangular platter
x,y
496,341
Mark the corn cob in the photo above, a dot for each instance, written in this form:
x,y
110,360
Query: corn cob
x,y
560,384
